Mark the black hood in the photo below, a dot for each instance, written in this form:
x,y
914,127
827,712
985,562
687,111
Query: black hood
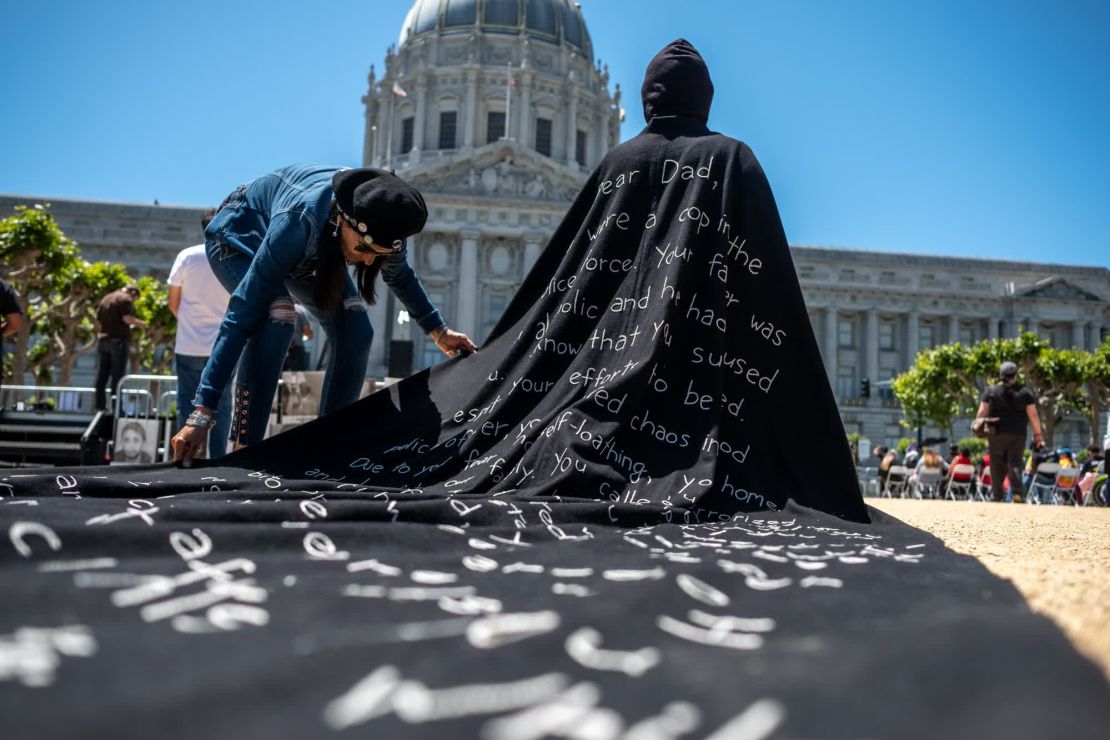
x,y
677,83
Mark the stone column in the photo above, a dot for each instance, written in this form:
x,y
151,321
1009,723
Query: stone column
x,y
383,134
466,320
471,108
532,247
873,352
524,110
913,336
831,345
1094,329
595,140
606,115
379,320
953,328
369,139
1031,324
1078,335
572,127
420,92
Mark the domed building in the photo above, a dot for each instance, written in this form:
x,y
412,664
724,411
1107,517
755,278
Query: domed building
x,y
497,111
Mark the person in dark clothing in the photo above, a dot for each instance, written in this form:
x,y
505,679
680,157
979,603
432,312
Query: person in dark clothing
x,y
1009,406
115,315
11,318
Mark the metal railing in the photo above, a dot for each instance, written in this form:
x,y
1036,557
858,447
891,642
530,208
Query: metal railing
x,y
143,418
47,398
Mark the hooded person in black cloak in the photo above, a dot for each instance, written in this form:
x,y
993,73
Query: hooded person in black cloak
x,y
658,357
658,353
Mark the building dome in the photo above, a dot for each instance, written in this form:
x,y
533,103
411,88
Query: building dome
x,y
556,22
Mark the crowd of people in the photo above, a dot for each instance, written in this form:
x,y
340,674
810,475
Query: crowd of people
x,y
929,472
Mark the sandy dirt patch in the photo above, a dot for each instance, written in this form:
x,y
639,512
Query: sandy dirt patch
x,y
1057,556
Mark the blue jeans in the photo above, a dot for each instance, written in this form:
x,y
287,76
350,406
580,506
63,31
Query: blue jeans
x,y
348,328
189,368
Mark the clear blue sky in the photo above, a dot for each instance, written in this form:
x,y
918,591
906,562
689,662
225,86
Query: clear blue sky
x,y
967,127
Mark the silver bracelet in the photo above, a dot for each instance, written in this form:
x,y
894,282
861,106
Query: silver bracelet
x,y
199,420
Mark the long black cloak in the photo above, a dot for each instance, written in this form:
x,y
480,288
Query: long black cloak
x,y
659,353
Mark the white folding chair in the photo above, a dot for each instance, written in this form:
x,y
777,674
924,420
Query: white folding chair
x,y
960,488
1044,480
983,485
1064,490
897,478
928,481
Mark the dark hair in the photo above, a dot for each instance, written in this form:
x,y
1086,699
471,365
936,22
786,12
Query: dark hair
x,y
207,217
965,451
133,426
331,271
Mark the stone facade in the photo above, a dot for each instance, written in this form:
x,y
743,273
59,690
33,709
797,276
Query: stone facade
x,y
500,161
873,311
497,113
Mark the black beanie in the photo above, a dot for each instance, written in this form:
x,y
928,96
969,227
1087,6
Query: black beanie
x,y
677,83
380,206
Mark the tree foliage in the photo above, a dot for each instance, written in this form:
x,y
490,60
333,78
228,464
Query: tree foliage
x,y
64,321
150,348
35,254
59,292
946,383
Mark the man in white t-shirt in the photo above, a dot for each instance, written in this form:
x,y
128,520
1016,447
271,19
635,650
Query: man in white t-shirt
x,y
199,302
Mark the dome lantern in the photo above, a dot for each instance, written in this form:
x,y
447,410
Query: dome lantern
x,y
557,22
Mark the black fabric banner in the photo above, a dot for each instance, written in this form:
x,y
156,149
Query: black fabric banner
x,y
278,613
633,514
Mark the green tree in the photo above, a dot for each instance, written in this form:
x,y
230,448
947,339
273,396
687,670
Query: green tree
x,y
947,382
1058,379
65,319
34,252
151,348
938,388
1098,388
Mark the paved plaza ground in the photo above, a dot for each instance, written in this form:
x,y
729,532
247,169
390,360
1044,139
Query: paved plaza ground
x,y
1057,556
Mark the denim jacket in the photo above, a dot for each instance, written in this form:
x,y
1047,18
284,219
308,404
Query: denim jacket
x,y
275,221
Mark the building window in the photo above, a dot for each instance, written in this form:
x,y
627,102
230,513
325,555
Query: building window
x,y
886,335
543,136
1060,336
496,304
495,126
448,121
846,333
406,134
425,353
846,382
927,336
580,148
887,372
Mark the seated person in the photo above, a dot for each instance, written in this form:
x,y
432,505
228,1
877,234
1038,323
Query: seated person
x,y
962,458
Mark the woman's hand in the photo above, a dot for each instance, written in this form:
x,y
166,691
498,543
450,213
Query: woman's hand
x,y
451,342
188,443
